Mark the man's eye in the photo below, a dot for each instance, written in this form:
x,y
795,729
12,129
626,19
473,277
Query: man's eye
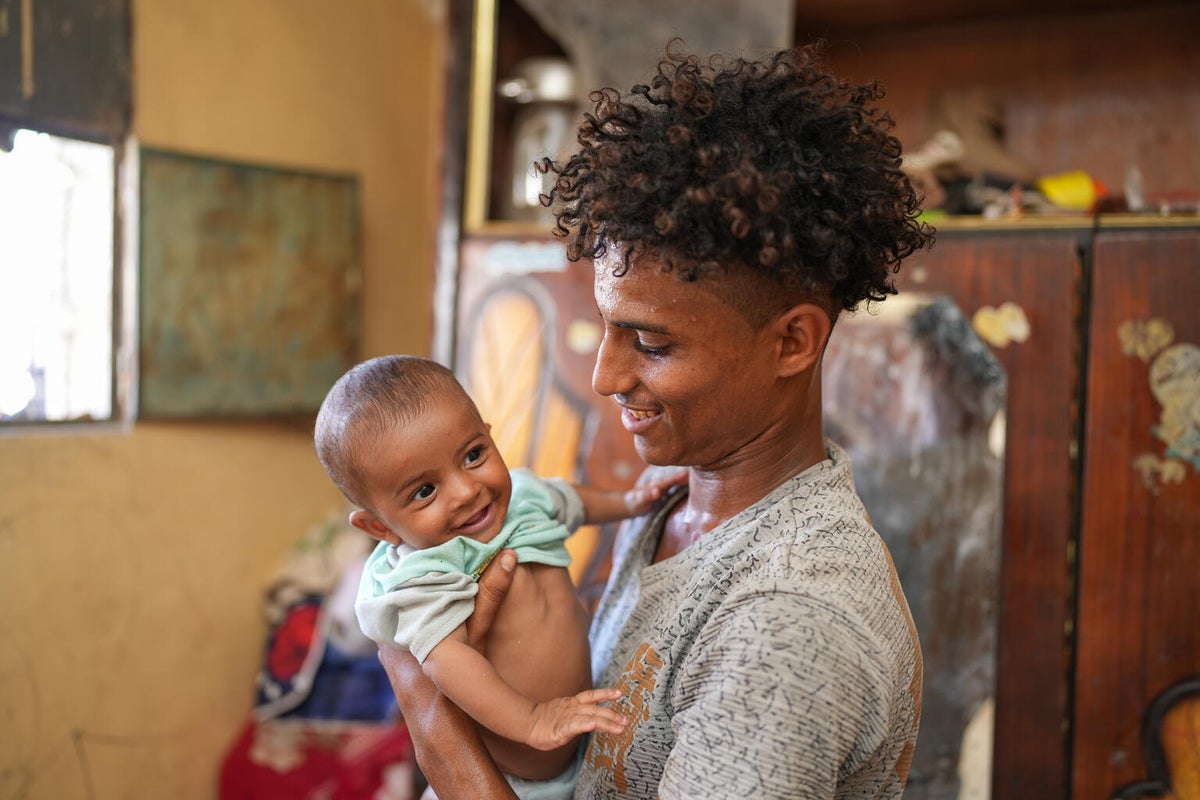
x,y
474,454
650,350
423,491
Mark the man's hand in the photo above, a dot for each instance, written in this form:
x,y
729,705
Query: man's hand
x,y
494,584
449,749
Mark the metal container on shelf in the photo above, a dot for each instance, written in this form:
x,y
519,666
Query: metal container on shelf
x,y
543,126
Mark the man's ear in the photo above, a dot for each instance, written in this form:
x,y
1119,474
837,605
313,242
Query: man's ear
x,y
803,331
366,521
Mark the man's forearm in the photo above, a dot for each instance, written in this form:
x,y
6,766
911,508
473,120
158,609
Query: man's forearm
x,y
448,746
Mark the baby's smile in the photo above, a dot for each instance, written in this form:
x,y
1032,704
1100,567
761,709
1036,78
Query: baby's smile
x,y
479,521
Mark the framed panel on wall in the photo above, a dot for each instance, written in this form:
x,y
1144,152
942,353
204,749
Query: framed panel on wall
x,y
249,287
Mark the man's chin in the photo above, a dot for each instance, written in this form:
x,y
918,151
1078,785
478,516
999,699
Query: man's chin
x,y
655,457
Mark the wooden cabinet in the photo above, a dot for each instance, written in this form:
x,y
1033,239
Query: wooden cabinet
x,y
1039,273
1100,567
1138,619
1098,598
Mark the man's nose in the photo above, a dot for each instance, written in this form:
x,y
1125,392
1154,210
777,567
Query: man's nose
x,y
610,376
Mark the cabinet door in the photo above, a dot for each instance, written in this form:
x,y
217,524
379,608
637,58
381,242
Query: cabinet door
x,y
1138,624
1021,290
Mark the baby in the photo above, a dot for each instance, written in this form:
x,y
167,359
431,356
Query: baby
x,y
405,444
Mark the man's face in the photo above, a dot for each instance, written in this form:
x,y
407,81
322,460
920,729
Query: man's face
x,y
695,380
438,476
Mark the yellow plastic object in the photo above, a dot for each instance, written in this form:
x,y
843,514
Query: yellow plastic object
x,y
1075,190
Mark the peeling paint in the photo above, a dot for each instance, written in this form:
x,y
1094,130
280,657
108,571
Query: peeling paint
x,y
1001,326
1174,380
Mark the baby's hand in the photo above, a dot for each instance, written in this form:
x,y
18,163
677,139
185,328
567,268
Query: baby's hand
x,y
558,721
642,498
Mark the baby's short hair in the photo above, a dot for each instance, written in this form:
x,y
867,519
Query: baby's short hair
x,y
369,400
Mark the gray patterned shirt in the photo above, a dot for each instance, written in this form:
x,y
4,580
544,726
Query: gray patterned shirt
x,y
774,658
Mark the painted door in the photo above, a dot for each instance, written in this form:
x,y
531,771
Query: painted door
x,y
526,333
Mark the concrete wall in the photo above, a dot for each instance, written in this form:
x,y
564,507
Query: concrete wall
x,y
132,564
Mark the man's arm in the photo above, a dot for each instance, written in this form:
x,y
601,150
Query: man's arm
x,y
449,748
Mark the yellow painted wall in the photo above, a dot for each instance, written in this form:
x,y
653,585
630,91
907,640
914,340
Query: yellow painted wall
x,y
132,564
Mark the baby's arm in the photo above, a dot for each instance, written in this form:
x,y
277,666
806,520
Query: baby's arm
x,y
466,677
610,505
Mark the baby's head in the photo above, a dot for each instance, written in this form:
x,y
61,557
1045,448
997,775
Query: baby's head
x,y
403,441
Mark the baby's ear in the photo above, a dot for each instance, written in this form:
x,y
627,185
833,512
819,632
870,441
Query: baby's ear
x,y
375,528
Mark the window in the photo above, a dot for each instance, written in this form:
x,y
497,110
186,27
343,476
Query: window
x,y
56,278
64,120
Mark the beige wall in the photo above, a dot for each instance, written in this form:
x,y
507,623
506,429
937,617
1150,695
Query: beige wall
x,y
132,564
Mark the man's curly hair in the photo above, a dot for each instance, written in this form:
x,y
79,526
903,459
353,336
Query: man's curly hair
x,y
775,166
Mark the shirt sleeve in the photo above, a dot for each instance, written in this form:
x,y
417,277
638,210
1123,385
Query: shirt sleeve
x,y
420,613
568,507
781,699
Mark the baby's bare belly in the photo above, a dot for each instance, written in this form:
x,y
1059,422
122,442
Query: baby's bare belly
x,y
539,645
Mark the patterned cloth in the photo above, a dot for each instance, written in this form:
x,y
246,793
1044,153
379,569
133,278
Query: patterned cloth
x,y
774,658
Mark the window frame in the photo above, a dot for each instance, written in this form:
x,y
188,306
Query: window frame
x,y
50,46
123,365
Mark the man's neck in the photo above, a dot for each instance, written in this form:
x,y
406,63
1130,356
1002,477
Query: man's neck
x,y
719,492
726,490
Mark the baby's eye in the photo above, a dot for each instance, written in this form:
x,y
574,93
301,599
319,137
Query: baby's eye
x,y
423,492
474,454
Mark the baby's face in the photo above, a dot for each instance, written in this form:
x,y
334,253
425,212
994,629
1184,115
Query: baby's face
x,y
439,476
